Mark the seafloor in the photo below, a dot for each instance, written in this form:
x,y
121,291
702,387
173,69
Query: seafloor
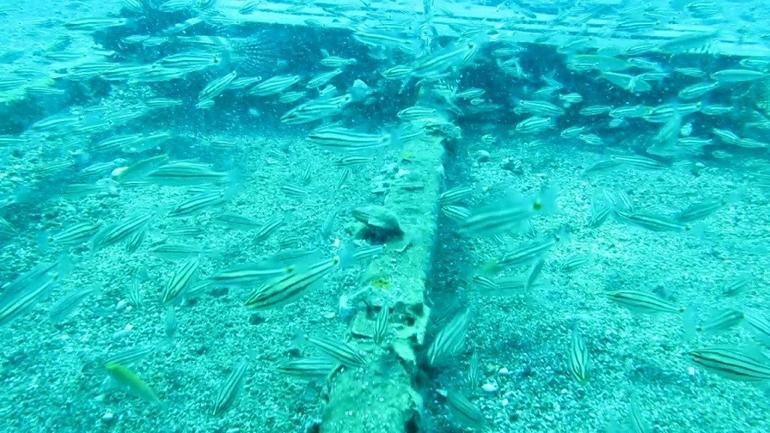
x,y
52,380
51,375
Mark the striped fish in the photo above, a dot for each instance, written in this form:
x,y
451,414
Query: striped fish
x,y
455,195
651,222
236,221
578,356
66,306
449,341
121,230
455,213
228,391
721,321
474,371
216,86
198,203
643,302
180,280
733,363
186,173
288,288
268,228
381,325
274,85
465,412
75,234
23,293
250,273
342,352
347,140
309,368
172,251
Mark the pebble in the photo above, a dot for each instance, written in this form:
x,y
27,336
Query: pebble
x,y
482,156
489,387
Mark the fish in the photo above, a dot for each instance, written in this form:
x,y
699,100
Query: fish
x,y
176,173
182,277
347,140
340,351
121,230
733,362
454,56
723,320
173,251
312,368
381,325
737,75
656,223
288,288
215,87
697,90
449,341
456,194
643,302
29,289
528,252
65,307
534,125
251,273
228,390
507,215
198,203
75,234
124,376
578,356
274,85
465,412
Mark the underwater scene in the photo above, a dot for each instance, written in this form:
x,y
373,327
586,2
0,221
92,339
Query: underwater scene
x,y
396,216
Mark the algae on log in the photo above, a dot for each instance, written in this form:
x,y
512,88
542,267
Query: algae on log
x,y
379,397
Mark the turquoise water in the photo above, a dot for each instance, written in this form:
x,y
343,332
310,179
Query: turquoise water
x,y
350,216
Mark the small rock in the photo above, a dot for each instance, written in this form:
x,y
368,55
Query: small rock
x,y
481,156
489,387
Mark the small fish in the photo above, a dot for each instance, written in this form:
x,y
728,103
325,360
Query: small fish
x,y
449,341
68,305
309,368
507,215
455,195
121,230
75,234
274,85
182,277
721,321
288,288
578,356
340,351
130,380
652,222
347,140
186,173
228,391
198,203
381,325
474,371
643,302
465,412
737,75
733,363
